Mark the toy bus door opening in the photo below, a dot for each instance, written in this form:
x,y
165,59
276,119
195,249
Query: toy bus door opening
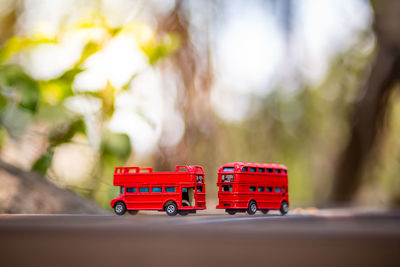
x,y
188,196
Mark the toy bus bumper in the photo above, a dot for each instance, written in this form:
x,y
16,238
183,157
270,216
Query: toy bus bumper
x,y
232,204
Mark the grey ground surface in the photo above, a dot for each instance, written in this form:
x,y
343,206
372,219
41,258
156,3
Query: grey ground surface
x,y
322,238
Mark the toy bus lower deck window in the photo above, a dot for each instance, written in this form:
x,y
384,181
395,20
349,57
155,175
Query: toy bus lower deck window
x,y
143,189
156,189
227,188
131,190
277,189
122,189
269,189
261,189
199,188
252,188
170,189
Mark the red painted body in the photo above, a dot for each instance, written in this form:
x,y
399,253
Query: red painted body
x,y
266,184
143,189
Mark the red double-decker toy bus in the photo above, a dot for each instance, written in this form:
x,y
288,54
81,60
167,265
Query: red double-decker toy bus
x,y
253,186
182,191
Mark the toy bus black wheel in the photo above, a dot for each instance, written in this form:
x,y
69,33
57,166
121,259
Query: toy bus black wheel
x,y
231,212
171,209
284,208
264,211
120,208
132,212
252,208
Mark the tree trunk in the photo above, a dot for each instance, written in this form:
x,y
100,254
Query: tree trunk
x,y
371,109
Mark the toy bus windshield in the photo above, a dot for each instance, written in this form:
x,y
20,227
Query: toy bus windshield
x,y
228,169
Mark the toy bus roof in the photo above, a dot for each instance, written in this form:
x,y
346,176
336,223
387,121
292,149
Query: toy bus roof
x,y
259,165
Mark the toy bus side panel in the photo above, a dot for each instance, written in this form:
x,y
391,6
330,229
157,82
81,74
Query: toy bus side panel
x,y
150,200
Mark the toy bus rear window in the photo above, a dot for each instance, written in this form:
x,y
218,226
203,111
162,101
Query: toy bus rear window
x,y
228,169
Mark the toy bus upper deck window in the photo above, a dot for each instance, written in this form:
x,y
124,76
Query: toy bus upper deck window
x,y
253,169
244,169
156,189
277,189
228,169
269,189
261,169
269,170
199,188
131,190
277,171
170,189
285,171
143,189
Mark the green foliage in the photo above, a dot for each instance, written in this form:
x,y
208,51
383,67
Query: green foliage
x,y
64,132
19,87
17,44
157,49
116,145
43,163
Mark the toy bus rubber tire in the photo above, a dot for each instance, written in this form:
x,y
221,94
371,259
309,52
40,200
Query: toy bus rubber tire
x,y
132,212
264,211
120,208
231,212
284,208
171,209
252,208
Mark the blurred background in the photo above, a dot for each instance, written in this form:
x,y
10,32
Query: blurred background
x,y
86,86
